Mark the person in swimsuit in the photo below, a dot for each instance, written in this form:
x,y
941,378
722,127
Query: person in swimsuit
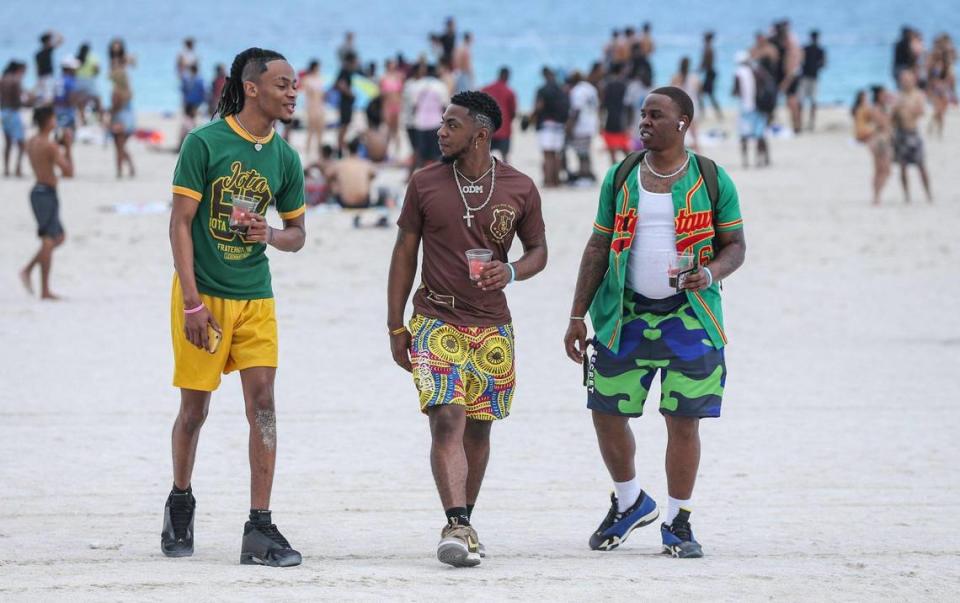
x,y
122,122
46,156
391,89
312,85
907,141
11,100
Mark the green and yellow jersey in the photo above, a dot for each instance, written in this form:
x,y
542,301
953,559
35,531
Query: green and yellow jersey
x,y
218,160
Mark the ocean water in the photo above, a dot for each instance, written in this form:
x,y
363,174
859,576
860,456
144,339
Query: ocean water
x,y
523,35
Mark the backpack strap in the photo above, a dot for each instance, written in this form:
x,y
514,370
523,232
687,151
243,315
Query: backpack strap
x,y
708,169
623,170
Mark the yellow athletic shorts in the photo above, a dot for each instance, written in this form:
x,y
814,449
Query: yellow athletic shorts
x,y
249,340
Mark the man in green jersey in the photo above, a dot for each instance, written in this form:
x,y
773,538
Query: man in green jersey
x,y
222,310
672,208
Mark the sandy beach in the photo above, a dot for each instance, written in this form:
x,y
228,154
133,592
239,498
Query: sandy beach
x,y
832,475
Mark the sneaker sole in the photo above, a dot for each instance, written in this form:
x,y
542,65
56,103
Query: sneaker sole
x,y
615,541
251,559
177,553
678,553
457,555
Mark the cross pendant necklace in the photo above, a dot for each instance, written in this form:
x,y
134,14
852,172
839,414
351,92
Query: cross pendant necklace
x,y
468,216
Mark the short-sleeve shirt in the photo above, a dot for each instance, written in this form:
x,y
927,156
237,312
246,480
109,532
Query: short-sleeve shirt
x,y
218,160
813,60
507,101
434,210
556,105
614,94
697,225
584,100
45,62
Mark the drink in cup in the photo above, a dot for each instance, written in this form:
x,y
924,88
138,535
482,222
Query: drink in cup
x,y
476,258
681,264
241,205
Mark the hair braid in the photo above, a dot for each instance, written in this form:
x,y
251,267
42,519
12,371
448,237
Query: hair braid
x,y
232,96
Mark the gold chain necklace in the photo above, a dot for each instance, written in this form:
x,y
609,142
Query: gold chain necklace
x,y
258,141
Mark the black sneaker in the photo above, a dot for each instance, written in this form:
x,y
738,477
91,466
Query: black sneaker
x,y
265,545
678,538
176,539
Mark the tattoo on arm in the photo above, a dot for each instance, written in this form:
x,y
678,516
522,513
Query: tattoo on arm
x,y
593,267
733,248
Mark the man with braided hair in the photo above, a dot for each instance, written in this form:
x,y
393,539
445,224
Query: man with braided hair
x,y
459,344
222,310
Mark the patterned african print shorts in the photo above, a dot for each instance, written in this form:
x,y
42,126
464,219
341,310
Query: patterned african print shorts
x,y
692,370
469,366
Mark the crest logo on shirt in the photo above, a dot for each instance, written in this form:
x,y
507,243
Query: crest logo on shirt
x,y
503,218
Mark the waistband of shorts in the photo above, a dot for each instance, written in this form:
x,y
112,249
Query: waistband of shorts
x,y
43,188
457,325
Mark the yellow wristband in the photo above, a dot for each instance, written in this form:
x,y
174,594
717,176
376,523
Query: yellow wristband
x,y
398,331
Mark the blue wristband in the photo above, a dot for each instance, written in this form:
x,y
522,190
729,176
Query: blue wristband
x,y
513,273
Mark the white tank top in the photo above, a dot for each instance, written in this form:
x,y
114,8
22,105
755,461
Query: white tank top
x,y
654,245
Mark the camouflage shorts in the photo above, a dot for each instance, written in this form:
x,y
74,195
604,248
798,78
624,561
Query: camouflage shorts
x,y
692,370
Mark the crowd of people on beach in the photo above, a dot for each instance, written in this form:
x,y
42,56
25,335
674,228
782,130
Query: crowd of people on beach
x,y
363,119
401,106
888,122
74,96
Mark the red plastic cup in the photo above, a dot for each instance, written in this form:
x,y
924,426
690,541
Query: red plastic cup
x,y
241,205
476,258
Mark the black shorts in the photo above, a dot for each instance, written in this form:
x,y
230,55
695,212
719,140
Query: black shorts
x,y
428,144
346,114
709,79
46,208
413,135
502,145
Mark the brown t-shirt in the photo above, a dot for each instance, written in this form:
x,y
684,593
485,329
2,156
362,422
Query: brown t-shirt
x,y
433,208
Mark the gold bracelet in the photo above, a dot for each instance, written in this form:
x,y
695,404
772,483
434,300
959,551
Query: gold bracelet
x,y
398,331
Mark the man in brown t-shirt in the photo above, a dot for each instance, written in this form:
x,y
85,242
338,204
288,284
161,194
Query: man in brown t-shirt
x,y
459,346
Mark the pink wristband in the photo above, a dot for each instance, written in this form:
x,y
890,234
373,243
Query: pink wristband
x,y
194,310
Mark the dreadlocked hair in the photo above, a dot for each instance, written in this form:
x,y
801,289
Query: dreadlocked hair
x,y
247,65
481,106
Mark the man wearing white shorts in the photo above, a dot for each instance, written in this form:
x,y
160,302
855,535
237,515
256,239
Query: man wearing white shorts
x,y
752,123
550,115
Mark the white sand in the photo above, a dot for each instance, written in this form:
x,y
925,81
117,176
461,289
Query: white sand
x,y
832,475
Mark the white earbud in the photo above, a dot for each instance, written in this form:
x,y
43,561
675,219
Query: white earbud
x,y
680,125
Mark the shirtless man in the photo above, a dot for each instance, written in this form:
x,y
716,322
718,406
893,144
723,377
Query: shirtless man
x,y
907,142
463,64
350,179
312,86
45,155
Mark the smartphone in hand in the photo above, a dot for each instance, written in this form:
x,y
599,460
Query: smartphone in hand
x,y
213,339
